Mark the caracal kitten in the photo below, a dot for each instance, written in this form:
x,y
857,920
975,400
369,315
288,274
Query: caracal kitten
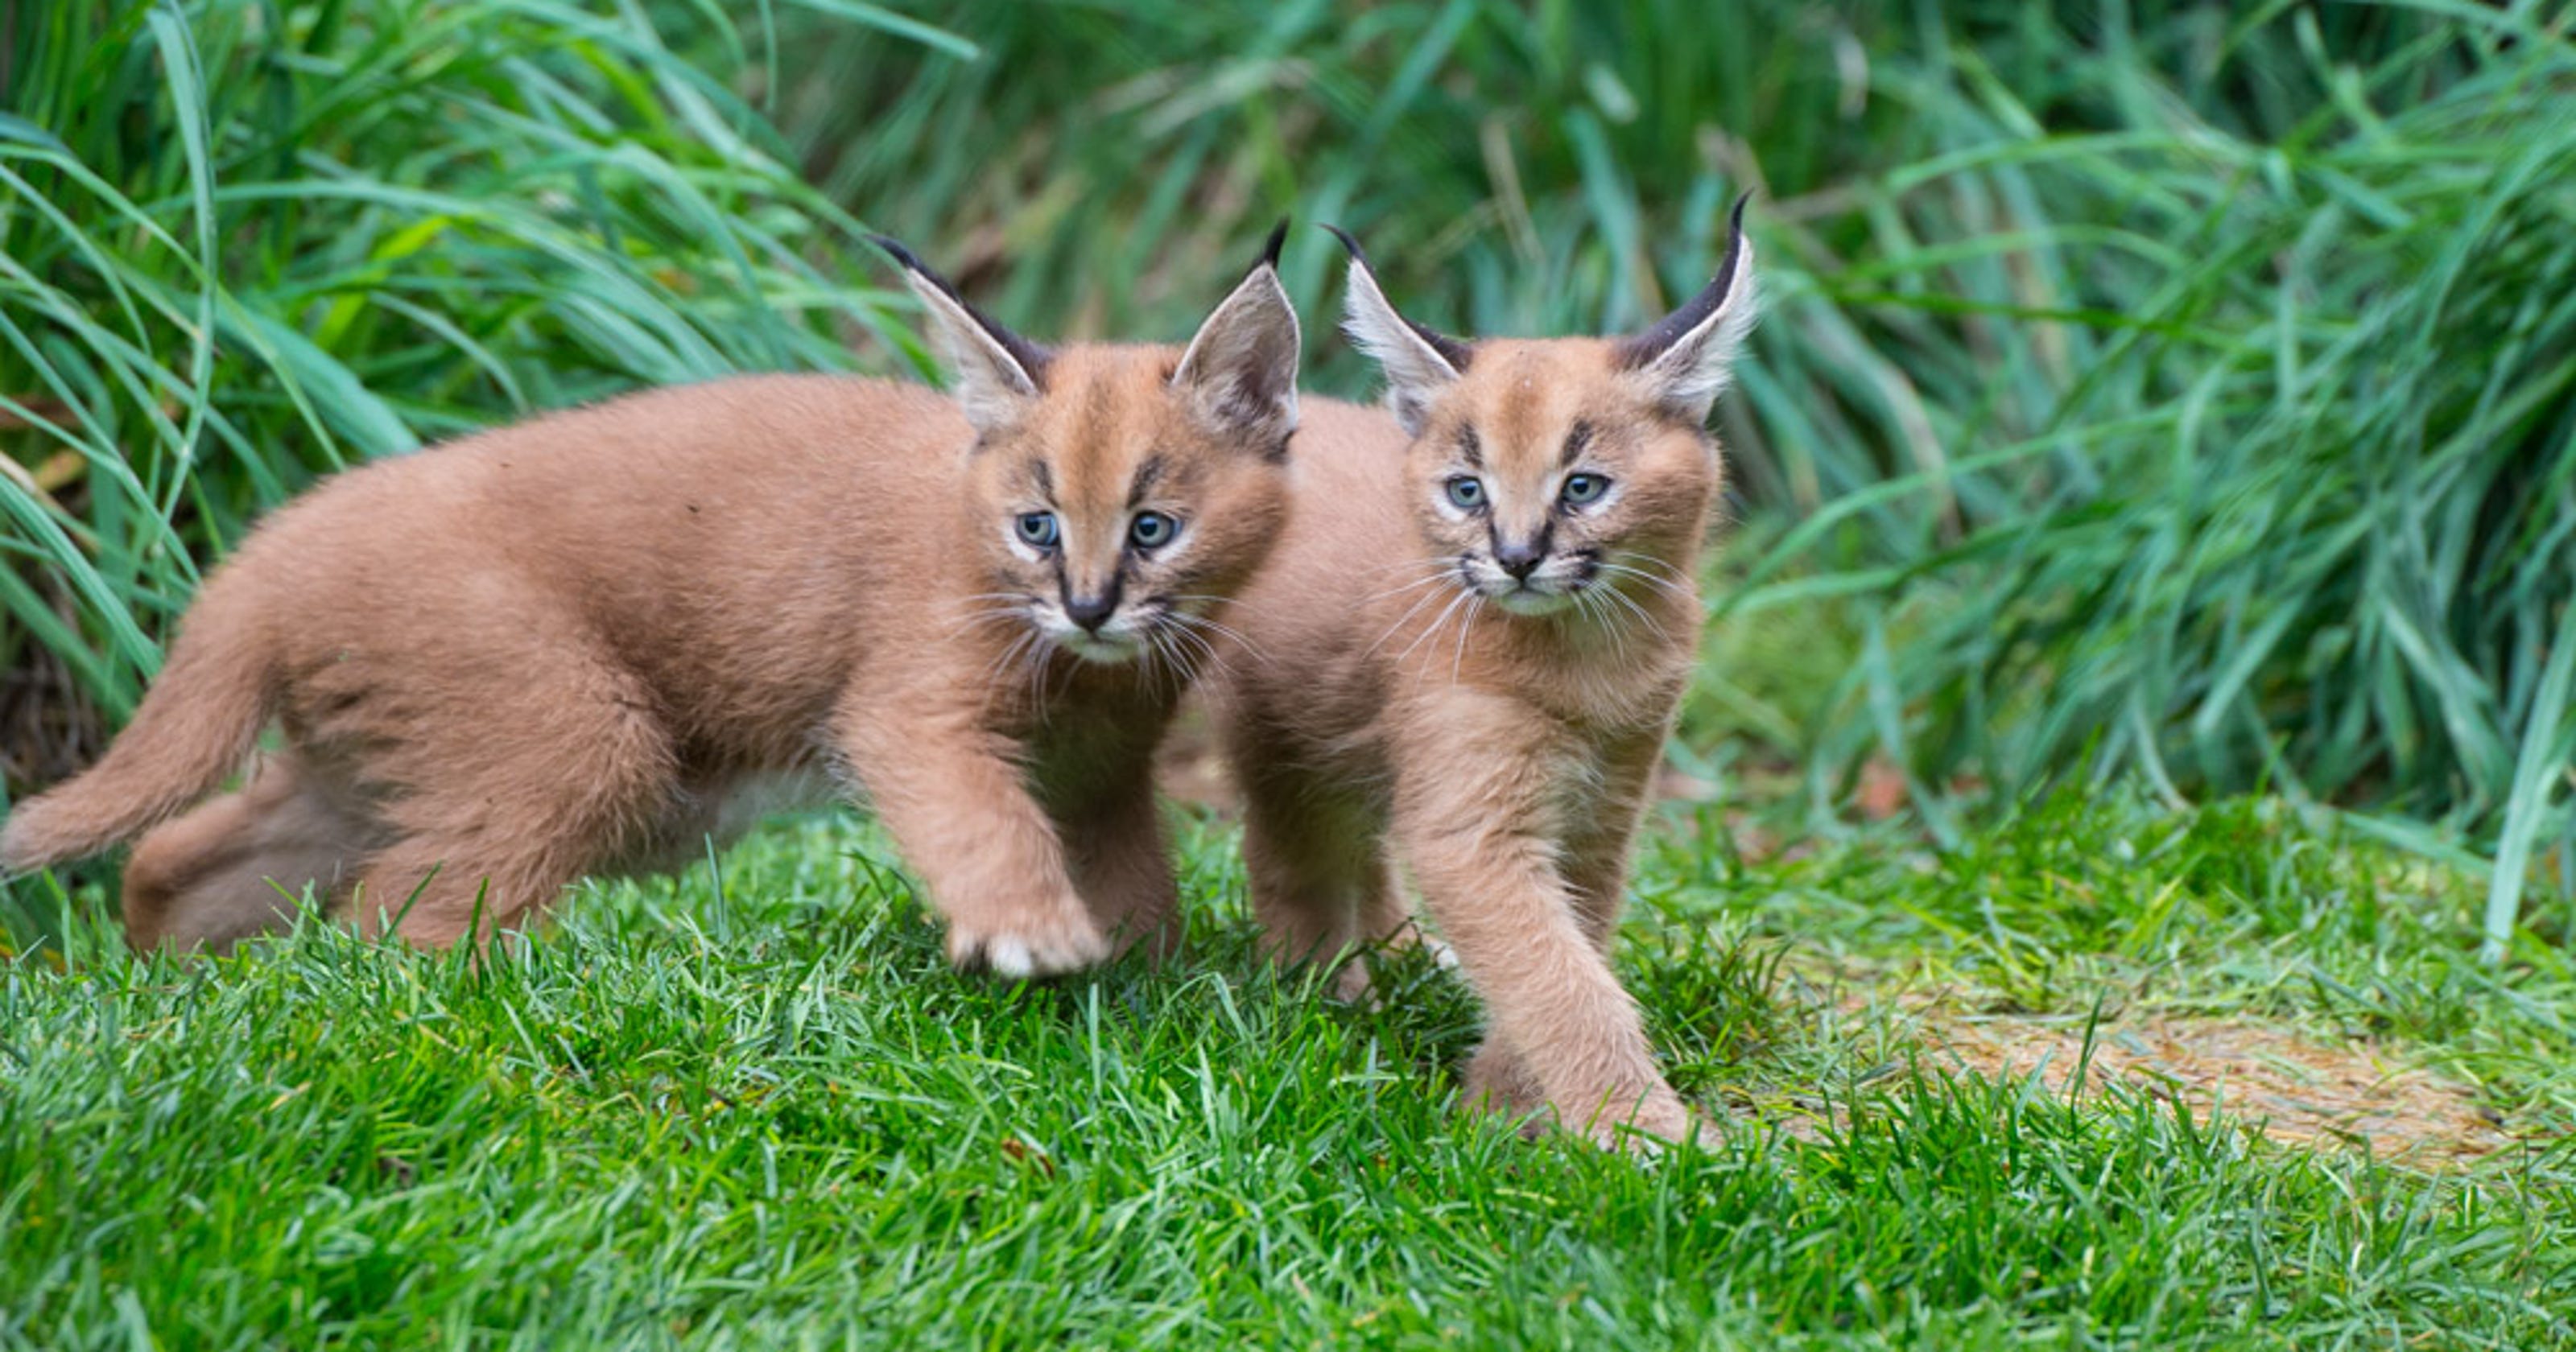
x,y
587,642
1464,657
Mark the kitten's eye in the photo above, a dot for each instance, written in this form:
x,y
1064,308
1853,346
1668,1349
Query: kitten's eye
x,y
1583,488
1152,530
1467,492
1038,528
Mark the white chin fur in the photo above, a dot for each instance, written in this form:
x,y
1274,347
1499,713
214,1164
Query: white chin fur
x,y
1521,602
1105,652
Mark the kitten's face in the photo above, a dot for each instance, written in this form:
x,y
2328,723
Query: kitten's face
x,y
1541,474
1115,494
1543,471
1113,515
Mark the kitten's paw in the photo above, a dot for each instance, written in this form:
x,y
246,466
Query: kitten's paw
x,y
1020,947
1660,1124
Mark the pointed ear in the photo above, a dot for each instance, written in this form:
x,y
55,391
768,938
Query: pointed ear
x,y
994,373
1241,368
1685,360
1419,363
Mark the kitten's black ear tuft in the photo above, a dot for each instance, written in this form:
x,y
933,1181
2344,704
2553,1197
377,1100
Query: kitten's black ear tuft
x,y
994,372
1240,371
904,257
1686,358
1419,362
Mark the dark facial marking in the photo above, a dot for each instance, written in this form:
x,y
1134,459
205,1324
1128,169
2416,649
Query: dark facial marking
x,y
1471,447
1146,475
1576,442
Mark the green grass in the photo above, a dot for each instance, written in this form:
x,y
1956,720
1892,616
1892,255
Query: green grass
x,y
771,1118
2157,401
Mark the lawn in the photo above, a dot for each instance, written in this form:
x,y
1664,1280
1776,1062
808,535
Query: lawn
x,y
750,1107
2119,876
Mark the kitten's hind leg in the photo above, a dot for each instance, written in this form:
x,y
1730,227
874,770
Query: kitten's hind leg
x,y
240,864
1116,850
1319,877
504,797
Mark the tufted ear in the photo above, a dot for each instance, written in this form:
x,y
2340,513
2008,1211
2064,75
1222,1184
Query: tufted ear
x,y
1685,360
1419,363
994,373
1241,368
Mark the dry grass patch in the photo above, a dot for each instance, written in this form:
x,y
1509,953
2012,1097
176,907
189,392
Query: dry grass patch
x,y
2291,1087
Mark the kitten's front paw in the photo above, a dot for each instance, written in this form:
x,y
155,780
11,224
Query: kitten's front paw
x,y
1028,944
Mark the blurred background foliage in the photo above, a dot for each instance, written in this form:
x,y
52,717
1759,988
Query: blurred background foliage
x,y
2168,391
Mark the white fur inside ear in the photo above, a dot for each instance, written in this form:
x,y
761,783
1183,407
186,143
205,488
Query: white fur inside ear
x,y
989,384
1241,366
1416,373
1688,376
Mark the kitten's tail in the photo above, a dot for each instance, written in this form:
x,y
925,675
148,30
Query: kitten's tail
x,y
195,727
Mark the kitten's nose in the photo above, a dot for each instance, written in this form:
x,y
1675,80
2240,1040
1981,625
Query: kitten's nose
x,y
1090,612
1520,558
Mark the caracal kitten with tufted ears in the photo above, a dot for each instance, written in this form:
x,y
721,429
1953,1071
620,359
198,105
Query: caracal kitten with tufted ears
x,y
585,643
1487,712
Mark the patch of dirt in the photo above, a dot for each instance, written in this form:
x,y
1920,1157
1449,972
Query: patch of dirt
x,y
2290,1087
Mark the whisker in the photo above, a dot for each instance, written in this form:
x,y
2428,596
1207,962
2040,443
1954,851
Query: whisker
x,y
1438,572
1597,609
1200,654
1409,612
1203,622
1613,594
1467,626
1461,599
1670,582
1008,664
1159,656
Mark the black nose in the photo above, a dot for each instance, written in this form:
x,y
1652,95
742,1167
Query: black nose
x,y
1090,612
1519,560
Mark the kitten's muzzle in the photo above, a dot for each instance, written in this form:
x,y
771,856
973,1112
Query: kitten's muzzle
x,y
1101,631
1550,575
1527,581
1090,612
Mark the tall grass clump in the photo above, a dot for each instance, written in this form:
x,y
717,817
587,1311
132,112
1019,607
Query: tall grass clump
x,y
2303,513
243,243
2170,388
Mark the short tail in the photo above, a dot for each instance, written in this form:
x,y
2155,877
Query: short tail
x,y
196,726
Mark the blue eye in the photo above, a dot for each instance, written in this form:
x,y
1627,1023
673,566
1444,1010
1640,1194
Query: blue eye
x,y
1037,528
1583,488
1152,530
1467,492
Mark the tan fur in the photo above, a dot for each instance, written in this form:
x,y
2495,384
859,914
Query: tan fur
x,y
1503,758
568,646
